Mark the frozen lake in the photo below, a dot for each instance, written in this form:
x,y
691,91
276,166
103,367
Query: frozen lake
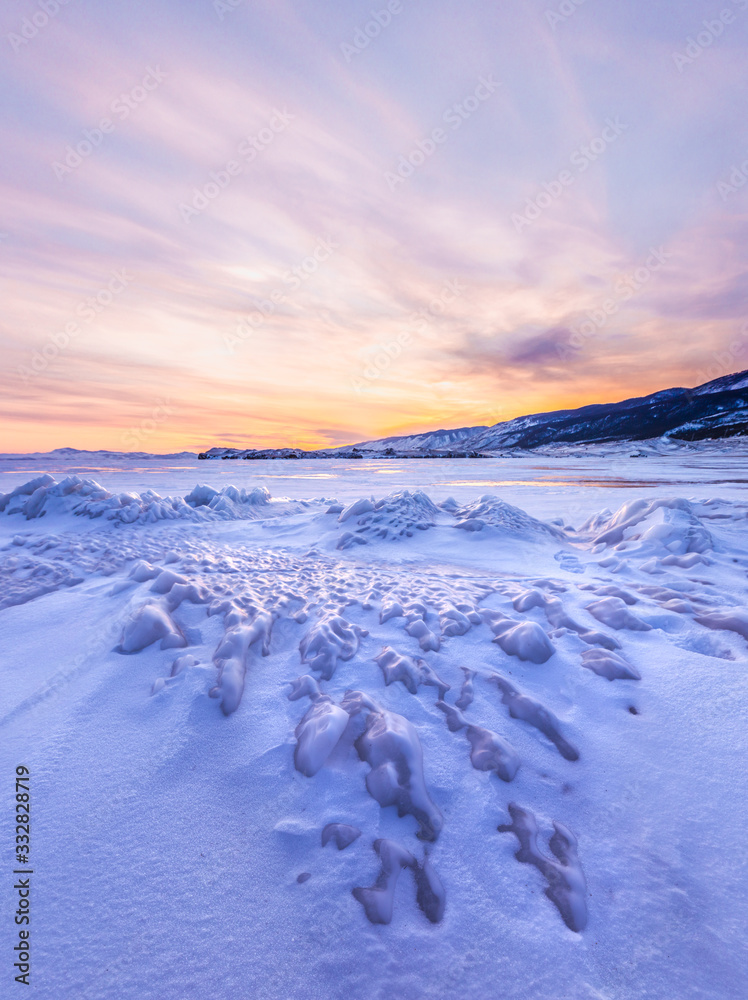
x,y
540,485
288,741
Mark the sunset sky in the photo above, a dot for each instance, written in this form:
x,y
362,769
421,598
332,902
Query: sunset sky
x,y
298,222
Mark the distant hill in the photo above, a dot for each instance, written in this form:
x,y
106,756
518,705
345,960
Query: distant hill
x,y
716,409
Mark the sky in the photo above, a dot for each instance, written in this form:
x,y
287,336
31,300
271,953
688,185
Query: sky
x,y
261,223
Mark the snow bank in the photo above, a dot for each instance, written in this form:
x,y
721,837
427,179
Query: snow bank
x,y
86,497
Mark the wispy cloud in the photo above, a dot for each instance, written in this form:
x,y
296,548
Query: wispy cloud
x,y
497,352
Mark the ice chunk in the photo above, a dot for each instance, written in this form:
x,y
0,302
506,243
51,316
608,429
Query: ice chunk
x,y
354,509
201,496
26,489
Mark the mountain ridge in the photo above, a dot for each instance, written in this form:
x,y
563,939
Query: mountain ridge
x,y
713,410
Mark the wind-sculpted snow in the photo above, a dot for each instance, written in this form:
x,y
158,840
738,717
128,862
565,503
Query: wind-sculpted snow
x,y
609,664
529,710
526,640
85,497
378,900
232,656
493,512
489,751
567,887
149,624
390,746
559,619
730,619
396,516
664,528
612,611
466,691
318,733
387,693
329,640
412,672
342,834
457,621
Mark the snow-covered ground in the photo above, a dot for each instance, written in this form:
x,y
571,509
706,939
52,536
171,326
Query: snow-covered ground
x,y
376,729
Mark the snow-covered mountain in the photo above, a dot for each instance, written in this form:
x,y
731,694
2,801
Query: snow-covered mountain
x,y
714,410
